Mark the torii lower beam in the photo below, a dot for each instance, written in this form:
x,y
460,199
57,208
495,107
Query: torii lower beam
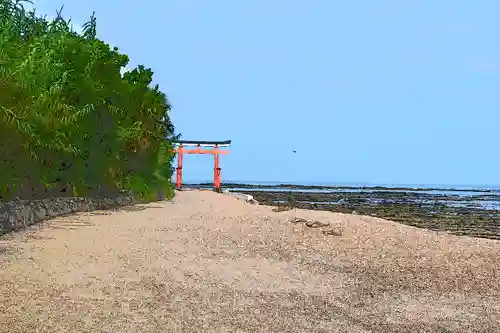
x,y
216,151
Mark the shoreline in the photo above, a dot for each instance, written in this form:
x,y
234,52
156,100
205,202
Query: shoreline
x,y
461,212
461,216
229,185
207,262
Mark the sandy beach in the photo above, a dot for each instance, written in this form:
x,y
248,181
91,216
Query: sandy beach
x,y
207,262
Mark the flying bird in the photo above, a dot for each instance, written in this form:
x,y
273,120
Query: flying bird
x,y
294,151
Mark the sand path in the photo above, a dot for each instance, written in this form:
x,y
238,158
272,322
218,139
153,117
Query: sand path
x,y
210,263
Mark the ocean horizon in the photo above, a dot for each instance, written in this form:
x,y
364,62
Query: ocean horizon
x,y
351,184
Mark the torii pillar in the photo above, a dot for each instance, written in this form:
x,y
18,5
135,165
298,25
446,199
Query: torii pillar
x,y
215,150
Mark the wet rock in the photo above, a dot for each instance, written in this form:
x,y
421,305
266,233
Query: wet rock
x,y
332,232
316,224
281,209
298,220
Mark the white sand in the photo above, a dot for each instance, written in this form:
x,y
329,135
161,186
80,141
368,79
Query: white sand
x,y
210,263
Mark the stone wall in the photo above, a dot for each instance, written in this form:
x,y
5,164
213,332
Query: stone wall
x,y
19,214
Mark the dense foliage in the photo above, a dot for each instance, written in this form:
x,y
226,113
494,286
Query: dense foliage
x,y
70,121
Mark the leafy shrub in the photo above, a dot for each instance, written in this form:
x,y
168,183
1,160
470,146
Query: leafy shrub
x,y
70,122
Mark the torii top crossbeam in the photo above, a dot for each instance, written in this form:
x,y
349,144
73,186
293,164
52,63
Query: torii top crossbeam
x,y
226,143
180,144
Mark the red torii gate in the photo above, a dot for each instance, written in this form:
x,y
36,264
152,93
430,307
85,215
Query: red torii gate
x,y
216,151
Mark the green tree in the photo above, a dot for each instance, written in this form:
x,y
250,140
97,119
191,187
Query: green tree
x,y
70,122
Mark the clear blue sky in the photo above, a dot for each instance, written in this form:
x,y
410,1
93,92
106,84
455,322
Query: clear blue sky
x,y
384,91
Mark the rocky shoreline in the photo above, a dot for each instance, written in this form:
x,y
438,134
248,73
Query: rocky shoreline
x,y
343,187
469,212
